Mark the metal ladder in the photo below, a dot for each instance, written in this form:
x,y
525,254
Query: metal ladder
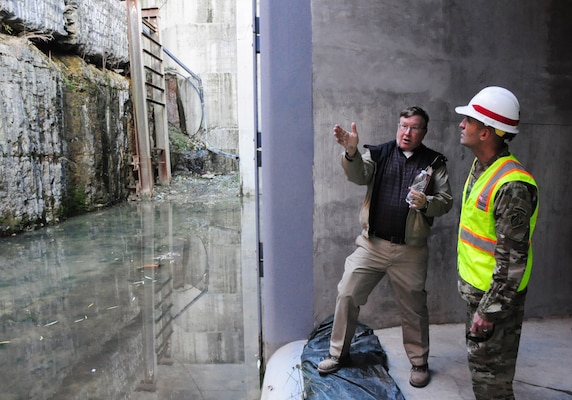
x,y
152,158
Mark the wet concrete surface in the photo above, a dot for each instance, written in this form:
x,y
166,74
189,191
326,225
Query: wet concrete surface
x,y
145,300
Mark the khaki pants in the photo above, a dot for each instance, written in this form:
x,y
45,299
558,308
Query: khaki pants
x,y
406,267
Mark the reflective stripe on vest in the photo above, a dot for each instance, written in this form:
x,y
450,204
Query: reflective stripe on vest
x,y
477,233
484,200
479,242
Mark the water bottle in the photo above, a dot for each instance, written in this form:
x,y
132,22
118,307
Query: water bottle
x,y
419,184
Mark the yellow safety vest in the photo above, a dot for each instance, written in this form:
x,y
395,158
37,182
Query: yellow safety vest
x,y
477,234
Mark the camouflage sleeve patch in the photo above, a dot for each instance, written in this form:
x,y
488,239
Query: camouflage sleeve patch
x,y
514,207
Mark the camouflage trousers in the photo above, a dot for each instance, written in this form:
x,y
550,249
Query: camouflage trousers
x,y
492,362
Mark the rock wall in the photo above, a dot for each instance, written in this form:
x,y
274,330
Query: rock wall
x,y
45,16
93,29
65,125
64,136
97,30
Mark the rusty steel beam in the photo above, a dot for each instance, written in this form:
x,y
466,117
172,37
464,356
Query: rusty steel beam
x,y
135,27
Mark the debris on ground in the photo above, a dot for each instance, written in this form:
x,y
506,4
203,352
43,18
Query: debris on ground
x,y
186,187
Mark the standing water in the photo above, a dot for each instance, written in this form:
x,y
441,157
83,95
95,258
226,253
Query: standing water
x,y
146,300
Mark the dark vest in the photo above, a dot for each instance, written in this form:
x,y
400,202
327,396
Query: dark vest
x,y
380,153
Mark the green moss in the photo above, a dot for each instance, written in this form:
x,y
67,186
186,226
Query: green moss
x,y
181,142
7,29
71,85
10,224
178,140
76,202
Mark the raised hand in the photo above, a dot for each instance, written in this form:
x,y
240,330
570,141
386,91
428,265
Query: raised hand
x,y
347,139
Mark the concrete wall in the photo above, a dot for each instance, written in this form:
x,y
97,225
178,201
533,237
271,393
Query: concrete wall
x,y
373,58
204,36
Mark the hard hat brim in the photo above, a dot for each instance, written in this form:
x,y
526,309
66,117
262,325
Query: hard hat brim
x,y
471,112
464,110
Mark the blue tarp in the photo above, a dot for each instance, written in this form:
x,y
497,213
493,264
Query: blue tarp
x,y
364,376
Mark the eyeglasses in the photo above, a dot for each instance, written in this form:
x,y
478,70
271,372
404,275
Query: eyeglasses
x,y
405,128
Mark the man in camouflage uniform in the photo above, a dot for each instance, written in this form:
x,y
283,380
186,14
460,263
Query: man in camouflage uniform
x,y
498,216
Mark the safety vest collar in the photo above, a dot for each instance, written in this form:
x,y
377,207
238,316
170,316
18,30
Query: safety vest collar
x,y
485,197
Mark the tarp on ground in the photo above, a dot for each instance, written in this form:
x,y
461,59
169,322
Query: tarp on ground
x,y
365,375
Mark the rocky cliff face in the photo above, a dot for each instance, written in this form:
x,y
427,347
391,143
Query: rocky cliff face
x,y
64,136
94,29
66,131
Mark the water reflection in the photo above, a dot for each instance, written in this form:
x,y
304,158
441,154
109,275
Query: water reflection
x,y
144,300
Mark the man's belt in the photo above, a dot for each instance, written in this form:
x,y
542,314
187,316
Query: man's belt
x,y
389,238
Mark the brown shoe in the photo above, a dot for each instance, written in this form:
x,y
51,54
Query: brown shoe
x,y
419,376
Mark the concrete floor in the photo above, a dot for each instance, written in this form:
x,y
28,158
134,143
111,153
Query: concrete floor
x,y
543,371
543,367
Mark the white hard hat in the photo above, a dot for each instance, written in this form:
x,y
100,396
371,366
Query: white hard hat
x,y
494,106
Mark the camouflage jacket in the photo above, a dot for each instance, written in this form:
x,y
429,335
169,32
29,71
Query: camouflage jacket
x,y
513,207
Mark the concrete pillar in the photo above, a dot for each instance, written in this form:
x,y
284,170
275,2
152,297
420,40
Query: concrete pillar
x,y
287,160
246,94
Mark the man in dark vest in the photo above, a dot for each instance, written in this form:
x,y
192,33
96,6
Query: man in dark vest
x,y
394,236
